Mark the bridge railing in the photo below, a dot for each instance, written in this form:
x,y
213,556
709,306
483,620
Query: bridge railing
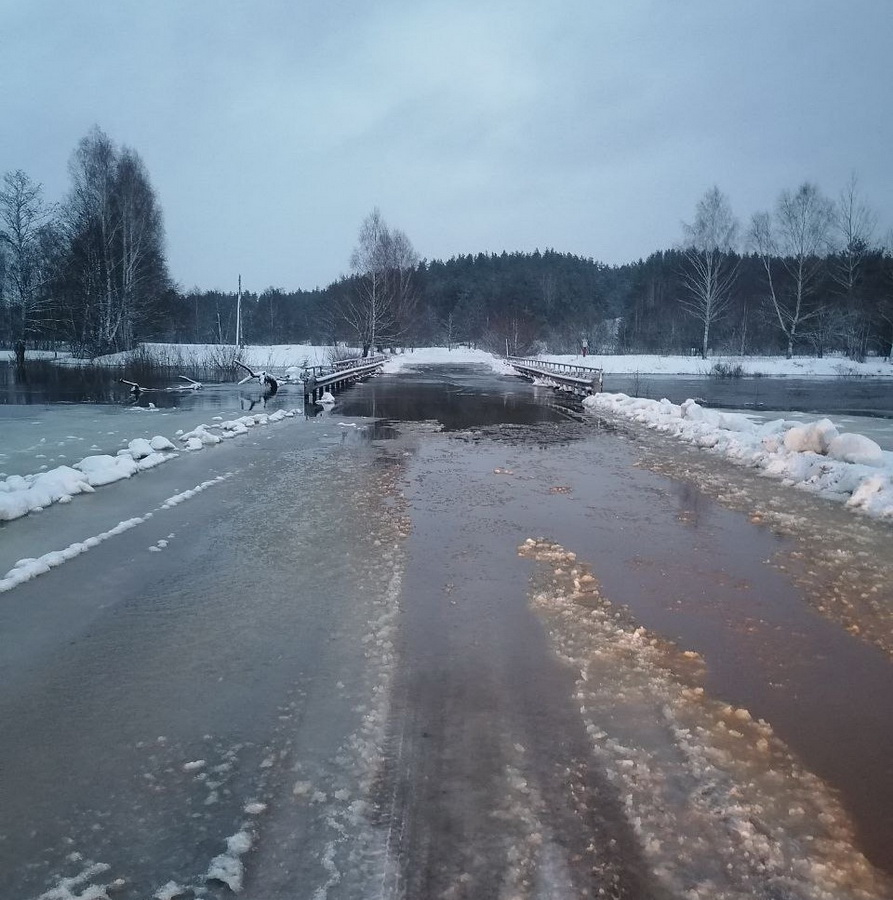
x,y
319,378
586,379
342,365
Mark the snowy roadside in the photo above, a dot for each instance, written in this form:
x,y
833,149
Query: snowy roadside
x,y
815,456
23,494
270,356
281,356
441,356
833,366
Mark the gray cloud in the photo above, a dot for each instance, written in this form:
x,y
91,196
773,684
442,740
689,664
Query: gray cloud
x,y
271,128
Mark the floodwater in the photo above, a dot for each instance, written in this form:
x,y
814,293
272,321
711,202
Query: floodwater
x,y
849,396
451,638
687,569
44,382
456,398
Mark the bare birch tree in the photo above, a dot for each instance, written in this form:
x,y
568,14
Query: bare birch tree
x,y
854,227
115,267
710,264
141,272
378,310
796,238
90,221
25,220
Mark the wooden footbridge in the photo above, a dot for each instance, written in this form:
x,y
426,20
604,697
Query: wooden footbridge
x,y
582,380
339,375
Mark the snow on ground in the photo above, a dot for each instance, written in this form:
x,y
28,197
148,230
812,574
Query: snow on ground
x,y
30,567
813,455
23,494
798,366
433,356
269,356
282,356
9,355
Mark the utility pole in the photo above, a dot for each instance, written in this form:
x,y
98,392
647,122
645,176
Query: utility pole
x,y
239,315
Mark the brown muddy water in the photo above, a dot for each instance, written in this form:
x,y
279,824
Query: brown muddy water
x,y
709,585
476,645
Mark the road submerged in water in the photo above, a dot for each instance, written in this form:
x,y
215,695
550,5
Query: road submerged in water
x,y
525,664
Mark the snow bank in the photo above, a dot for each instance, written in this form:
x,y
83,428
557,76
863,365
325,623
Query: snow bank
x,y
26,569
233,427
23,494
800,366
266,356
200,437
295,356
814,455
104,469
441,356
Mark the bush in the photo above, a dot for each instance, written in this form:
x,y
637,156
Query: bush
x,y
726,370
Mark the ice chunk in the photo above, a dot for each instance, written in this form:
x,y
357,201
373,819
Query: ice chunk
x,y
856,448
20,495
813,436
202,435
139,448
104,469
228,867
161,443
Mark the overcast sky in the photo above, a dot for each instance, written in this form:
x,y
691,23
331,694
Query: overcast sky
x,y
270,129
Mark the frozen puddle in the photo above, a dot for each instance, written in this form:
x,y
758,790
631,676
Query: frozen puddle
x,y
720,807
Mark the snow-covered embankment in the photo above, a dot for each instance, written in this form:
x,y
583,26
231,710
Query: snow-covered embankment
x,y
23,494
815,456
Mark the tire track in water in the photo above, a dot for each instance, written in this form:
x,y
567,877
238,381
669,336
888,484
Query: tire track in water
x,y
489,787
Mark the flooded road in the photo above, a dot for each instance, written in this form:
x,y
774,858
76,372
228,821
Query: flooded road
x,y
835,397
475,647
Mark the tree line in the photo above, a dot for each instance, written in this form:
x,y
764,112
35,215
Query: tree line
x,y
808,276
89,272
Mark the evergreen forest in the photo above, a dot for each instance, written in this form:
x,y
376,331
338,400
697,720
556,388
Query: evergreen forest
x,y
89,274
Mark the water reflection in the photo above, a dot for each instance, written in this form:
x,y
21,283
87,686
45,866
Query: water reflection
x,y
818,396
461,394
41,382
366,433
457,397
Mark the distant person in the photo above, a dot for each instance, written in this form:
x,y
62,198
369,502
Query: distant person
x,y
20,353
585,346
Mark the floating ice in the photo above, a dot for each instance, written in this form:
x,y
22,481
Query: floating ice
x,y
202,435
228,867
719,805
856,448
